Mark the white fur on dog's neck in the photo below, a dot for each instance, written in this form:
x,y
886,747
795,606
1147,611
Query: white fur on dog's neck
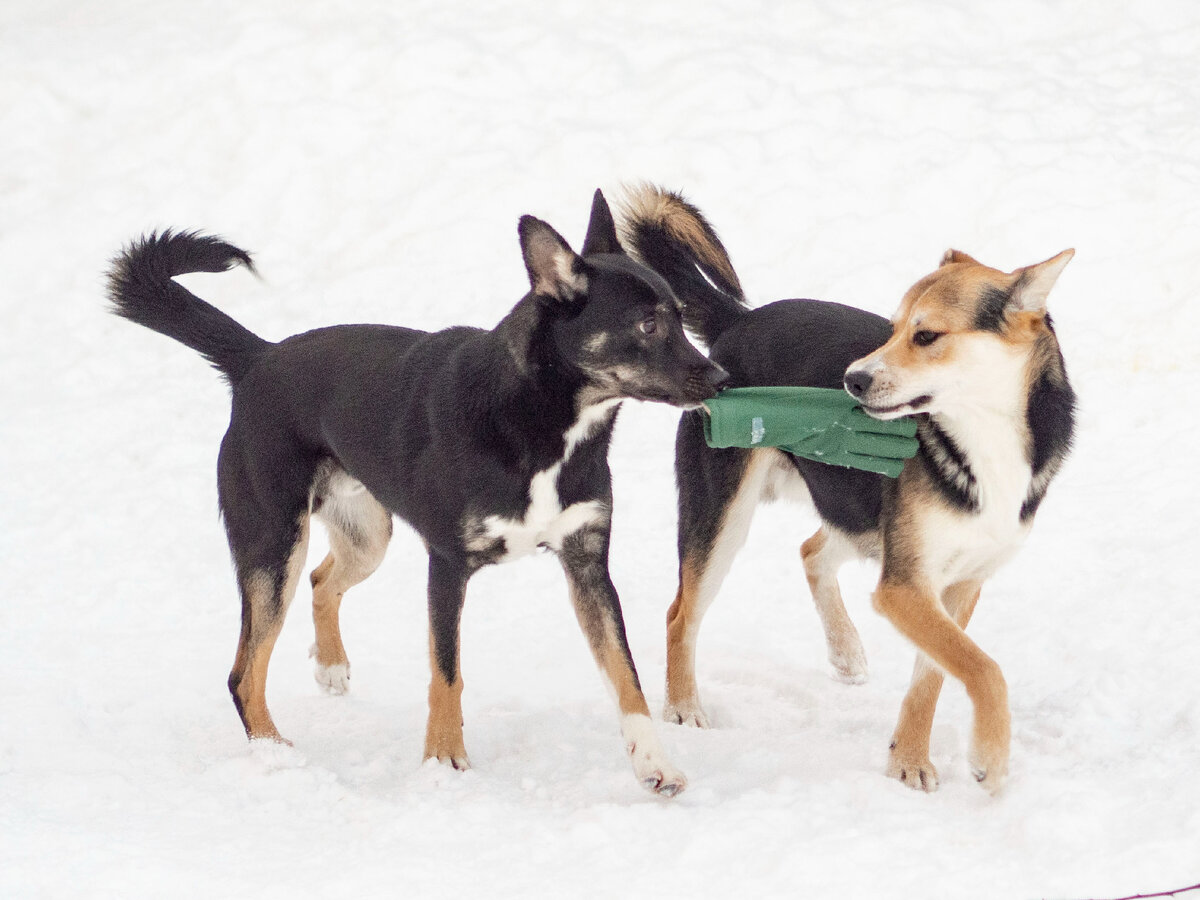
x,y
990,431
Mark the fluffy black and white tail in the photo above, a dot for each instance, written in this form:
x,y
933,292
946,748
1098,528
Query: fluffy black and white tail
x,y
141,288
673,238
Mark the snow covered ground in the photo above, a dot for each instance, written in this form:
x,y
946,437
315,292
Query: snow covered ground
x,y
376,156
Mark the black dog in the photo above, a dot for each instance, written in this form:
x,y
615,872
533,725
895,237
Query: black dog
x,y
489,443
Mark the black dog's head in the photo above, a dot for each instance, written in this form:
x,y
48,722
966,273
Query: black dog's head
x,y
611,319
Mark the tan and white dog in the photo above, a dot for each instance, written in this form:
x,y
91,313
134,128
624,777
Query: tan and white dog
x,y
972,353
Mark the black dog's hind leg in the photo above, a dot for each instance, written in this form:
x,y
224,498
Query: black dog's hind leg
x,y
823,554
444,731
265,504
584,558
718,491
359,530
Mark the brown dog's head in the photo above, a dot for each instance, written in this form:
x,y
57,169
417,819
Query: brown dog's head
x,y
964,335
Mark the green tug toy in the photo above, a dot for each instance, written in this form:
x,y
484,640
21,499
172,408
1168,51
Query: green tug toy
x,y
821,424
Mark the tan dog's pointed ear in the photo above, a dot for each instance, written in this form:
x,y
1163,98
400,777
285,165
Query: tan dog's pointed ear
x,y
956,256
555,271
1033,283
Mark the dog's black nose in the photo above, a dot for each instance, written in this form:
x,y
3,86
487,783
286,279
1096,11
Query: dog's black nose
x,y
717,377
858,383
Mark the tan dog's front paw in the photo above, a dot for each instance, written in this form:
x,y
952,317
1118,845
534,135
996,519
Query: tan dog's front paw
x,y
912,769
686,713
458,762
446,746
989,767
990,741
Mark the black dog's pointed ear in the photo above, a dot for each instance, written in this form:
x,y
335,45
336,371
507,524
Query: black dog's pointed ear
x,y
602,230
554,269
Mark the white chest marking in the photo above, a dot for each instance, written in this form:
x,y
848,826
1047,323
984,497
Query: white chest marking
x,y
961,545
546,522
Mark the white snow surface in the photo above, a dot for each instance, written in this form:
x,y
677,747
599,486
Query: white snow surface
x,y
376,156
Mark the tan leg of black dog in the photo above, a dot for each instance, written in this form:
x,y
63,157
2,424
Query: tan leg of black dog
x,y
359,530
706,553
444,729
266,596
823,554
584,558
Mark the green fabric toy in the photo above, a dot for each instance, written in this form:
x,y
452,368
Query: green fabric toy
x,y
821,424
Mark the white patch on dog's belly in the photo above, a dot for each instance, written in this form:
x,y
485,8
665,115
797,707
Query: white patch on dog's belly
x,y
783,482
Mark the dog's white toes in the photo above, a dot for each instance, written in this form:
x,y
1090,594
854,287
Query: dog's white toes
x,y
665,784
334,679
656,775
650,764
690,715
849,660
850,671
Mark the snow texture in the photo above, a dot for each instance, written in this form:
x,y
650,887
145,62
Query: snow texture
x,y
376,157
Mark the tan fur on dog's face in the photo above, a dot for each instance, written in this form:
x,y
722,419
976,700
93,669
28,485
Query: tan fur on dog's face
x,y
963,326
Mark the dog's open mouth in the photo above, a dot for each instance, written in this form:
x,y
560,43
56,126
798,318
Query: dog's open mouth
x,y
908,408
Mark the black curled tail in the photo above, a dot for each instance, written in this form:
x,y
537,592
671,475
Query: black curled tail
x,y
673,238
142,289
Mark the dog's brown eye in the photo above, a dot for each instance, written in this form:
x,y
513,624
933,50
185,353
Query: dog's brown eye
x,y
648,326
925,338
